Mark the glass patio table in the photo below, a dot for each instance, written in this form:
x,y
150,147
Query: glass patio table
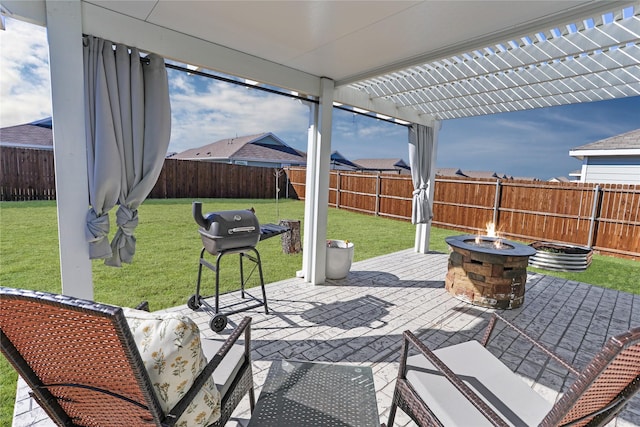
x,y
306,394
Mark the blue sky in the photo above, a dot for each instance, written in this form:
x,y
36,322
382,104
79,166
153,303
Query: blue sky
x,y
533,143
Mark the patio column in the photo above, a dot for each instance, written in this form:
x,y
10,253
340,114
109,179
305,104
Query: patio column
x,y
317,186
64,32
423,231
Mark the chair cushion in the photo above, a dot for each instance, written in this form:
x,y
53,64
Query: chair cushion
x,y
229,367
502,389
170,347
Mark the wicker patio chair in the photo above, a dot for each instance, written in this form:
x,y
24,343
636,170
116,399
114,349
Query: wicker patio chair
x,y
81,362
465,384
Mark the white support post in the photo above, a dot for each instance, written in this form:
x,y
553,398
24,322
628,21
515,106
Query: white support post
x,y
309,192
64,31
423,231
317,188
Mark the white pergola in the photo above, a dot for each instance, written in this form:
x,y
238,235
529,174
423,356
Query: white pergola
x,y
415,61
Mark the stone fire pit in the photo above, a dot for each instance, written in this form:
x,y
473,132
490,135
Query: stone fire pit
x,y
487,274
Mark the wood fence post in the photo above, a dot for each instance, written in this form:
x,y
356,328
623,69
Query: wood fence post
x,y
286,188
595,212
377,213
496,205
338,189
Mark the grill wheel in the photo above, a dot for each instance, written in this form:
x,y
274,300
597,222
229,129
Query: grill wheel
x,y
218,322
193,303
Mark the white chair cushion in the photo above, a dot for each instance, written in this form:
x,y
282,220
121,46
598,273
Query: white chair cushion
x,y
496,384
170,347
229,367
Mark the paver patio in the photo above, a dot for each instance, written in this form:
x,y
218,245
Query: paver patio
x,y
360,320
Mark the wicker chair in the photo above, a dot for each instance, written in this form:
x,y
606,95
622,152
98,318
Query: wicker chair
x,y
465,384
81,362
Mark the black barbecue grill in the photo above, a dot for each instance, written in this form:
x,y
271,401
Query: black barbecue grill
x,y
230,232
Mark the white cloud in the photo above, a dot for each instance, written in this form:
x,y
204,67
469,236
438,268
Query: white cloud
x,y
25,90
206,110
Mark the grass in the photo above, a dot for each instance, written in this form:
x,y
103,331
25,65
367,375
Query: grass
x,y
164,270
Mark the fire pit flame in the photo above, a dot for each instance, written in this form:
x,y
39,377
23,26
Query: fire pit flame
x,y
491,232
487,243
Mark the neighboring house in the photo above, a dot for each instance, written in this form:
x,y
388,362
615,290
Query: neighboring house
x,y
524,178
35,135
339,162
613,160
449,172
559,179
264,150
384,165
575,175
485,174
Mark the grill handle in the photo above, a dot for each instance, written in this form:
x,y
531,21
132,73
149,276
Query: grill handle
x,y
249,229
196,209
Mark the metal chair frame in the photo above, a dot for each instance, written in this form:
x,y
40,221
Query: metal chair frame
x,y
599,393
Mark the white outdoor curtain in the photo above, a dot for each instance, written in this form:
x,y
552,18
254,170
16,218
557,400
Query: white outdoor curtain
x,y
128,131
420,149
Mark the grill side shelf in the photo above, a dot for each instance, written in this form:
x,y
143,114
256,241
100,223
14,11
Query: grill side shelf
x,y
271,230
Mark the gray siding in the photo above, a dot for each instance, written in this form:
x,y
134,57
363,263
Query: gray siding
x,y
613,170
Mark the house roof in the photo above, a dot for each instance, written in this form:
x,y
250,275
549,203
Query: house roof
x,y
480,174
449,172
265,147
625,144
623,141
339,159
36,134
525,178
382,164
559,179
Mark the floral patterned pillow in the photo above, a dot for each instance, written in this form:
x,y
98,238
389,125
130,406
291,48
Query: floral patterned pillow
x,y
170,348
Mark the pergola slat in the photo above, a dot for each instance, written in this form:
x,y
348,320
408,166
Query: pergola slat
x,y
587,61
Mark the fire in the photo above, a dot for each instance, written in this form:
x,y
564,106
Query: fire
x,y
491,229
491,232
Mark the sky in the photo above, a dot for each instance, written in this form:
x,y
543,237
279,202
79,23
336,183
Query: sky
x,y
532,143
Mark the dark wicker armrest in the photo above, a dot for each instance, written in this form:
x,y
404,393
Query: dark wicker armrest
x,y
492,322
466,391
243,327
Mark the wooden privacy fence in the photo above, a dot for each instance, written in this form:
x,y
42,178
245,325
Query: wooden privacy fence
x,y
186,178
604,217
28,174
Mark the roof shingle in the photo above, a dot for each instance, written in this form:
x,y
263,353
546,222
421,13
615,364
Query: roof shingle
x,y
623,141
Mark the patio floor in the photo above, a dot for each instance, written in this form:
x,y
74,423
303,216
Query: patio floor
x,y
360,320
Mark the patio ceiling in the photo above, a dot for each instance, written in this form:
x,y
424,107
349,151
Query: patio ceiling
x,y
441,59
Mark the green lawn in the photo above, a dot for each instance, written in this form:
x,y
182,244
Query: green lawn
x,y
164,270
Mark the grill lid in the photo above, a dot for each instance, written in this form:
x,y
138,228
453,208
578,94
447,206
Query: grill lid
x,y
226,230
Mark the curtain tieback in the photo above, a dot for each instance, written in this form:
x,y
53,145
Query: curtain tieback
x,y
96,232
127,219
419,190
